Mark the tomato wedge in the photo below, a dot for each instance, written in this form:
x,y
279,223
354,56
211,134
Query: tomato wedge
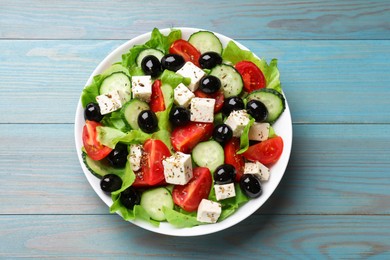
x,y
186,50
218,96
184,138
231,157
95,150
152,169
252,76
157,100
267,152
189,196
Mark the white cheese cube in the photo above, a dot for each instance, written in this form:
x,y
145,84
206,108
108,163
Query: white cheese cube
x,y
259,131
110,101
258,169
202,110
224,191
208,211
135,156
263,172
237,120
189,70
141,86
178,168
182,95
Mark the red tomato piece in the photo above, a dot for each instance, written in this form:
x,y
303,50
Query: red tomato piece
x,y
186,50
157,100
184,138
95,150
231,157
189,196
252,76
267,152
152,169
218,96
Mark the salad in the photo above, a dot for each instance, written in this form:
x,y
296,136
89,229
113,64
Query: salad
x,y
180,130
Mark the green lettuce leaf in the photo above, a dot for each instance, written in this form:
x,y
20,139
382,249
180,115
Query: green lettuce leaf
x,y
173,79
157,41
110,136
232,53
179,219
244,138
90,92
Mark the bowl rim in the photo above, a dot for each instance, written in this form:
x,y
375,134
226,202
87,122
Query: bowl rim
x,y
283,125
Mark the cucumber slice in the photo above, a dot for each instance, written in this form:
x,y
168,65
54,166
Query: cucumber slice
x,y
231,81
272,99
158,54
117,81
206,41
98,168
154,200
131,110
208,154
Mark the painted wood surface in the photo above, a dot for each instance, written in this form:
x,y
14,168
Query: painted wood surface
x,y
285,19
334,200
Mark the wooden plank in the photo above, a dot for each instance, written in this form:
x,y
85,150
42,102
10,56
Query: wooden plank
x,y
276,236
251,19
325,81
334,169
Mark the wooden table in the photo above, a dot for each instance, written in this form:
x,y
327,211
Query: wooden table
x,y
334,200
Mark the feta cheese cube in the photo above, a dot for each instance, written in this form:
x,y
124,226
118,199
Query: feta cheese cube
x,y
224,191
182,95
189,70
237,120
110,101
178,168
202,110
258,169
141,86
208,211
259,131
135,156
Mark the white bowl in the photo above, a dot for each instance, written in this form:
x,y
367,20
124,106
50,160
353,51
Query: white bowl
x,y
283,127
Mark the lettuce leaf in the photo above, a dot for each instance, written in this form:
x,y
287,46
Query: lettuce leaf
x,y
90,92
179,219
244,138
232,53
110,136
171,78
157,41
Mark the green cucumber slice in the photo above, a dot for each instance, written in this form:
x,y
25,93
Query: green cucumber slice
x,y
154,200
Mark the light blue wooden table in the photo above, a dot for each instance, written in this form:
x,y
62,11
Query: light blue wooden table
x,y
334,58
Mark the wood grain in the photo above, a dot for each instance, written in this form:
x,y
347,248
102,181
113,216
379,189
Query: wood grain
x,y
324,81
273,236
314,19
326,175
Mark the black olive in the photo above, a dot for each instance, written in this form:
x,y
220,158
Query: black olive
x,y
209,84
118,156
179,116
257,110
231,104
110,182
172,62
224,174
151,66
209,60
250,185
129,198
222,133
92,112
147,121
